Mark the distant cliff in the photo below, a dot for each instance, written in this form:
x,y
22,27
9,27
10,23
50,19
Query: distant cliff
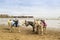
x,y
7,16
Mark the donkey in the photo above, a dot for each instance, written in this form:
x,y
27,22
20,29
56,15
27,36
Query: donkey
x,y
13,24
37,24
27,23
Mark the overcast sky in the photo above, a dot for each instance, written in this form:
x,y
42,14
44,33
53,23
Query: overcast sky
x,y
45,8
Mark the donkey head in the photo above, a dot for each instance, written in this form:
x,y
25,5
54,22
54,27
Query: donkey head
x,y
26,23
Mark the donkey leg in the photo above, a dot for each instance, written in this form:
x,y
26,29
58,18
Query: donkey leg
x,y
37,29
11,29
44,30
33,29
41,30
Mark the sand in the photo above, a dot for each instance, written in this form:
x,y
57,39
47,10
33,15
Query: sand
x,y
27,34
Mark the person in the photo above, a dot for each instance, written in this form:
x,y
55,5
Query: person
x,y
16,23
44,25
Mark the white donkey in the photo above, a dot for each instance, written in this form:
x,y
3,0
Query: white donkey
x,y
12,25
41,26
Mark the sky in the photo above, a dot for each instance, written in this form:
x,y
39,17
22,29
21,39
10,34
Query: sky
x,y
38,8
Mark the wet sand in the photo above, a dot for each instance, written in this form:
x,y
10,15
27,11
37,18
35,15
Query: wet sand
x,y
27,34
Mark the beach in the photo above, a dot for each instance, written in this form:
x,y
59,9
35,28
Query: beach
x,y
53,32
27,34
